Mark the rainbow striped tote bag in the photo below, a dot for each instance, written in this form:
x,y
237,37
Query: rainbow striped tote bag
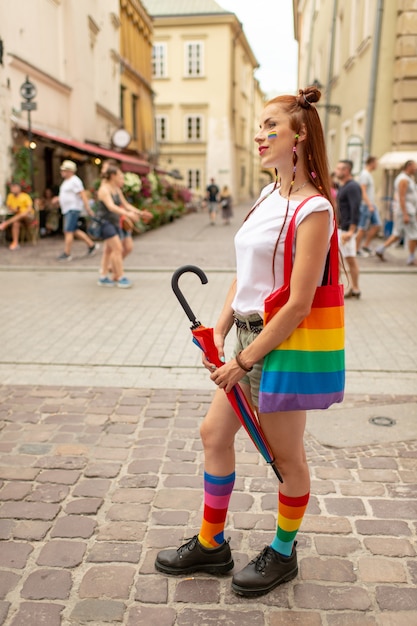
x,y
307,370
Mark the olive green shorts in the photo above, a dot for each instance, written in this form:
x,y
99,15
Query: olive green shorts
x,y
244,338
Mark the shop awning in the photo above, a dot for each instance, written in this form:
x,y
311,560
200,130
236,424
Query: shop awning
x,y
129,163
396,160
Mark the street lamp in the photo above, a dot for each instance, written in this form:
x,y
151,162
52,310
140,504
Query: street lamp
x,y
28,92
331,108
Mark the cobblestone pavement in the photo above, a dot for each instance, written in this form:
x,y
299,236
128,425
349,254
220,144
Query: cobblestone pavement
x,y
101,464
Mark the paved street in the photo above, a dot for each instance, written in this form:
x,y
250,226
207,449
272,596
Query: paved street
x,y
101,465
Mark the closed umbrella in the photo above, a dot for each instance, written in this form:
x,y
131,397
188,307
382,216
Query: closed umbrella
x,y
203,337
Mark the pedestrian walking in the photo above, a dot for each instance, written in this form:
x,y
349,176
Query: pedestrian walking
x,y
290,140
212,196
226,205
369,220
349,197
72,198
405,210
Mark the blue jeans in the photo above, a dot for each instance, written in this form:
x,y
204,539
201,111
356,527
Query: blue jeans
x,y
71,221
368,218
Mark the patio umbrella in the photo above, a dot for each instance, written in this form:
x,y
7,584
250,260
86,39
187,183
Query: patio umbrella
x,y
203,337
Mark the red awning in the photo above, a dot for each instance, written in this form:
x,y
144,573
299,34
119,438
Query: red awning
x,y
129,163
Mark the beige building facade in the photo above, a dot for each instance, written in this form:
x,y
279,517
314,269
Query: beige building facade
x,y
70,52
207,100
364,56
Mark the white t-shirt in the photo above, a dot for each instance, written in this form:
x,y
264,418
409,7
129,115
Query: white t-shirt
x,y
365,178
255,243
69,194
410,195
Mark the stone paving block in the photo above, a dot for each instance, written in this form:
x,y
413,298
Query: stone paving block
x,y
328,525
126,512
380,570
363,490
31,530
141,496
242,502
293,618
152,589
4,609
14,554
393,547
336,546
62,553
352,619
164,537
396,598
97,611
250,521
152,616
214,617
399,509
74,526
330,598
47,584
397,618
109,454
344,506
178,499
333,570
15,491
48,493
193,482
388,527
121,531
197,590
18,473
117,552
95,487
84,506
332,473
62,477
375,475
378,462
8,581
170,518
102,470
139,481
6,527
31,613
110,581
66,463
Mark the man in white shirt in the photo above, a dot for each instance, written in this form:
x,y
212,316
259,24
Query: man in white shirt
x,y
369,220
72,198
405,210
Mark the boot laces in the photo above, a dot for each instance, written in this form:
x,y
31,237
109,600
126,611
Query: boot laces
x,y
190,545
262,560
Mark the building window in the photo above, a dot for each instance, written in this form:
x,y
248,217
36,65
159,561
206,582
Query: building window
x,y
122,102
161,128
194,59
193,130
193,179
159,60
134,116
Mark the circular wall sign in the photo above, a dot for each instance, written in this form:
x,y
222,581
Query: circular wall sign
x,y
121,138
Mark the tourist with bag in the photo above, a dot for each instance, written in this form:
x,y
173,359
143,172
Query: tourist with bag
x,y
287,305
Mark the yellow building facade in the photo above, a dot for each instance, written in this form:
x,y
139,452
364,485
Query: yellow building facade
x,y
207,101
136,95
364,57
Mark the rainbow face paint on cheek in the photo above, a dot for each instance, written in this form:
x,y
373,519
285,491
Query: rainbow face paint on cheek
x,y
272,134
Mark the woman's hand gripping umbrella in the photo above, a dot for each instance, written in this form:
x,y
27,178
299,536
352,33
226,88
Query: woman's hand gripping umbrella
x,y
203,338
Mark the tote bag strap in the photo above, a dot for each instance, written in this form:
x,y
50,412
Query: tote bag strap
x,y
333,273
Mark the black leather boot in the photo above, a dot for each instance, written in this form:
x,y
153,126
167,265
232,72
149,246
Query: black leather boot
x,y
268,570
193,557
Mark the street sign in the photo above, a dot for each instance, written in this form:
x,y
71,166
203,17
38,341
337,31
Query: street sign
x,y
28,106
28,90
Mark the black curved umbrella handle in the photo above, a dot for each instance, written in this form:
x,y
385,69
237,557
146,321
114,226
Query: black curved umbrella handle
x,y
180,296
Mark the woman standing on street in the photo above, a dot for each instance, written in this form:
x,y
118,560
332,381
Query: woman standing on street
x,y
290,139
111,207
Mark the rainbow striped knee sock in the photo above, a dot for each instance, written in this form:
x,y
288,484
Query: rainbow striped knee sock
x,y
217,492
290,515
